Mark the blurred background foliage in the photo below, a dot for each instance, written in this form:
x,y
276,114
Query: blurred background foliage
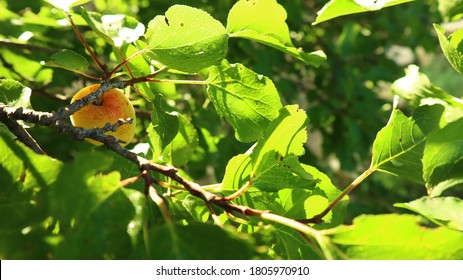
x,y
347,98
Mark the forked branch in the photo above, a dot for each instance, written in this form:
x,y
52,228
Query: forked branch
x,y
56,121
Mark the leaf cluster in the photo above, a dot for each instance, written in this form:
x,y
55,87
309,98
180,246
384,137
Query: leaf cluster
x,y
231,98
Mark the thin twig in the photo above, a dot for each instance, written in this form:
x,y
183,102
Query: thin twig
x,y
125,61
103,67
319,217
239,192
214,216
21,134
153,194
130,180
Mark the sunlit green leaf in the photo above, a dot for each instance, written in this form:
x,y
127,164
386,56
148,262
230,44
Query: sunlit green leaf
x,y
337,8
451,47
274,160
264,22
265,17
6,14
417,89
395,237
446,211
237,172
187,39
294,246
13,93
68,60
398,147
197,208
247,100
24,67
450,10
306,203
273,163
443,158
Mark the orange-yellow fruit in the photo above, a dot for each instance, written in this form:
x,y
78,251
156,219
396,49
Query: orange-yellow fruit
x,y
112,106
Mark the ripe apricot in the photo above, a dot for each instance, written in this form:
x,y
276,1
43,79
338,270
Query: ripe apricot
x,y
111,106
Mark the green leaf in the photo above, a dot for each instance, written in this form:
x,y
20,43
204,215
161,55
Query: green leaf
x,y
451,47
163,128
284,136
25,67
417,89
337,8
450,10
265,17
326,189
237,172
398,147
111,223
6,14
446,211
394,237
293,246
25,177
197,208
73,196
248,101
26,167
187,39
443,158
264,22
305,203
13,93
181,148
116,30
68,60
273,163
274,160
97,218
198,242
140,66
138,219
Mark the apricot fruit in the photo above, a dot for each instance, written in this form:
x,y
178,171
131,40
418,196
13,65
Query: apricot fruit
x,y
109,108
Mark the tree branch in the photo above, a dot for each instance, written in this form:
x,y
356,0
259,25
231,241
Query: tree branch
x,y
21,133
58,122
